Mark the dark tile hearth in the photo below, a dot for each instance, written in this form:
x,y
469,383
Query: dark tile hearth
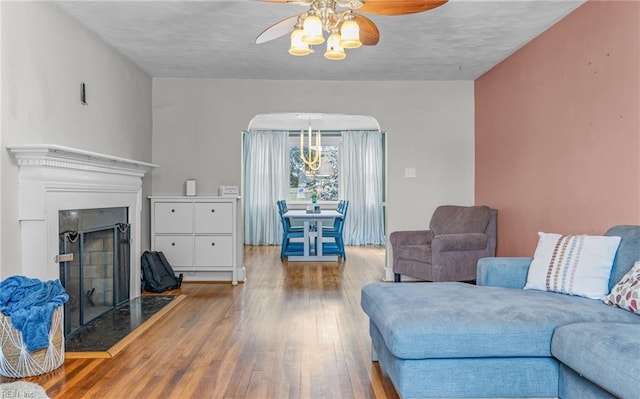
x,y
104,332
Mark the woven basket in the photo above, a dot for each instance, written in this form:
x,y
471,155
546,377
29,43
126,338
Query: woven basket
x,y
17,362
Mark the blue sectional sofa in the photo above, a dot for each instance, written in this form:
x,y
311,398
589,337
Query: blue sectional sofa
x,y
497,340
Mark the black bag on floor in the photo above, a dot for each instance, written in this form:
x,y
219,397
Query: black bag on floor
x,y
157,273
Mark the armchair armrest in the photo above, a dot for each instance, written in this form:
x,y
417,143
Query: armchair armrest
x,y
410,237
459,242
503,272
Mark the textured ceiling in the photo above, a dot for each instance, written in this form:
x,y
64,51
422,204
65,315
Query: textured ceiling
x,y
215,39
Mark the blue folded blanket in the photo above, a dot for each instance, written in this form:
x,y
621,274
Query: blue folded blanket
x,y
30,303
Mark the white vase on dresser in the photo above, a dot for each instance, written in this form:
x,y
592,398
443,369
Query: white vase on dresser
x,y
199,236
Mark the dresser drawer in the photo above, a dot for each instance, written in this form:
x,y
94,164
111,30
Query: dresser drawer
x,y
173,217
213,251
177,249
213,218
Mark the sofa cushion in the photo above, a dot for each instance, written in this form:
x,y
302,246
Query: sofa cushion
x,y
605,353
493,377
626,294
573,264
455,320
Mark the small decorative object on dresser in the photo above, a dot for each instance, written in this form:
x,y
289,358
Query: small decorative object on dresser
x,y
190,187
198,235
229,191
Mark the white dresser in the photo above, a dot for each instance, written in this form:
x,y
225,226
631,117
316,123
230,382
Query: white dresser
x,y
198,235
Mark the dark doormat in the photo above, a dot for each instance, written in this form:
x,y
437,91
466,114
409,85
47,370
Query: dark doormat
x,y
108,334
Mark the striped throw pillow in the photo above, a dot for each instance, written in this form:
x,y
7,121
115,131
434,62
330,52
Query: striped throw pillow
x,y
573,264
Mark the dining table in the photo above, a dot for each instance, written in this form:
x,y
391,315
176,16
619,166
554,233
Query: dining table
x,y
311,234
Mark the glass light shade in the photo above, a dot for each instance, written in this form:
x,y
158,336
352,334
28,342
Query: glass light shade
x,y
298,47
350,32
334,49
312,30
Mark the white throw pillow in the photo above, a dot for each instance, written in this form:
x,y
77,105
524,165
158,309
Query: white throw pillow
x,y
573,264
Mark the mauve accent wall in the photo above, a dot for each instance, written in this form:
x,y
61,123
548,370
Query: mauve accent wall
x,y
558,129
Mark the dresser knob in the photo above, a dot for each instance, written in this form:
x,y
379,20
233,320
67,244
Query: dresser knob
x,y
173,244
213,243
173,210
213,210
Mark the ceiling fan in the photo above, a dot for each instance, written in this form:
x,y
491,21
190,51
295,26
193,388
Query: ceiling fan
x,y
346,28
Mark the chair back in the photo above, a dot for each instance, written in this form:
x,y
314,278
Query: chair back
x,y
340,208
282,209
453,219
492,229
339,222
282,206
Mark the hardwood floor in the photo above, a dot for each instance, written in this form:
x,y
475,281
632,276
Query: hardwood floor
x,y
294,330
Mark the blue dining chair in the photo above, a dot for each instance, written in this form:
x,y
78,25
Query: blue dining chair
x,y
288,232
337,233
340,208
282,209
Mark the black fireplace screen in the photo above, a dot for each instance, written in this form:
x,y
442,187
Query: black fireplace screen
x,y
95,270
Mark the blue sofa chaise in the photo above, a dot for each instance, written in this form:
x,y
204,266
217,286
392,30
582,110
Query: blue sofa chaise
x,y
498,340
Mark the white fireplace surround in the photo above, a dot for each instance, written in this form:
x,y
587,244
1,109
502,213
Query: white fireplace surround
x,y
54,178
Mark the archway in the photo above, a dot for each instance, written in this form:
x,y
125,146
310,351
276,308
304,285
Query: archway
x,y
295,121
360,144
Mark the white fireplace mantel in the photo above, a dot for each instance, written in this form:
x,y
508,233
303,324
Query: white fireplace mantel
x,y
57,156
54,178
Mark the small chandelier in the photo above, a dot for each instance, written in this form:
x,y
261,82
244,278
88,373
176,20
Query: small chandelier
x,y
310,159
344,31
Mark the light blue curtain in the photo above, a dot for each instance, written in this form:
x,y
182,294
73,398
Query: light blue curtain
x,y
361,179
266,178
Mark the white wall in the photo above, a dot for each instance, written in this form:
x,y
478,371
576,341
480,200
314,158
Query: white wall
x,y
430,125
45,56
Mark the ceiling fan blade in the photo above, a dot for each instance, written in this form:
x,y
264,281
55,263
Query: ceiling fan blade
x,y
369,34
277,30
398,7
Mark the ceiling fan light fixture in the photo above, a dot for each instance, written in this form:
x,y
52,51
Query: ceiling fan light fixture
x,y
298,47
339,17
312,30
350,34
334,49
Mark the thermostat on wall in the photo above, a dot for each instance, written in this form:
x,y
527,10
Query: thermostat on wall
x,y
229,191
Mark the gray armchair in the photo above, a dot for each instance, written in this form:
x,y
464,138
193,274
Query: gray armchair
x,y
449,251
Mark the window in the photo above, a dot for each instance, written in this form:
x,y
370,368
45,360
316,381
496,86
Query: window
x,y
323,183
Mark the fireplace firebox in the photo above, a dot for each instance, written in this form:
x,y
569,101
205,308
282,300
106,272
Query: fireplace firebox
x,y
94,263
